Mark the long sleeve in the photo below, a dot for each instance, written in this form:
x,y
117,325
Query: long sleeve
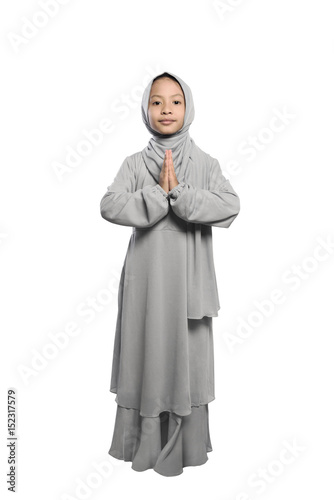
x,y
142,208
217,206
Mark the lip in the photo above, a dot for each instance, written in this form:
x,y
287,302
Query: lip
x,y
166,122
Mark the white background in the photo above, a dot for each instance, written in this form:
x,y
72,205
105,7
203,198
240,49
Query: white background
x,y
57,253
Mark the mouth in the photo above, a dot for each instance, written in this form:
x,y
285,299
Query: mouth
x,y
167,122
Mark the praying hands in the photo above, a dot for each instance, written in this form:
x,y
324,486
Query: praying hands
x,y
168,179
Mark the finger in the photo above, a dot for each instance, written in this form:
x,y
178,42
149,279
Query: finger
x,y
170,161
167,161
166,166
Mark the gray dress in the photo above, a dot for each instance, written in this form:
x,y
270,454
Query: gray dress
x,y
163,358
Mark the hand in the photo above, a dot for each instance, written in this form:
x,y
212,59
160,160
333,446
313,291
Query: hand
x,y
168,179
163,178
172,179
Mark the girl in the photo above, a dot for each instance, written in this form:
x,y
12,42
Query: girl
x,y
171,193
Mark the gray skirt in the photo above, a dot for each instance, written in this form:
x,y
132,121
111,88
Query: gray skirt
x,y
163,361
168,442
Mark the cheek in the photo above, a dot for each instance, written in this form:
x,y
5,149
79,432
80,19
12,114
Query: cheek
x,y
151,113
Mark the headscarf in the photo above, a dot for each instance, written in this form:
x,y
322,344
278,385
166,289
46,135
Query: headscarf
x,y
179,142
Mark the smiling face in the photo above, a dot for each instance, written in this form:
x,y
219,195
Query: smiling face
x,y
166,102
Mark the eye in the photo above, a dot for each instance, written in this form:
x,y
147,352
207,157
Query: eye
x,y
155,102
178,101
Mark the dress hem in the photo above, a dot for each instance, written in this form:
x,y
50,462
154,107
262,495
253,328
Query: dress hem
x,y
208,315
166,446
210,400
115,455
213,314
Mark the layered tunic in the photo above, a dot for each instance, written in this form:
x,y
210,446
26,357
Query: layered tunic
x,y
163,357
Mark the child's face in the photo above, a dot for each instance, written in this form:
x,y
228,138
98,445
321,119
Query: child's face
x,y
166,103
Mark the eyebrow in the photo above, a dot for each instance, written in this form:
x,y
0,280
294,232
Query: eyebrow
x,y
156,95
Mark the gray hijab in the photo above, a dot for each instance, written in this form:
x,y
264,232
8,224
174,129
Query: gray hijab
x,y
180,142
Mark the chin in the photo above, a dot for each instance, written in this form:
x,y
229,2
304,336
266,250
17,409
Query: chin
x,y
168,130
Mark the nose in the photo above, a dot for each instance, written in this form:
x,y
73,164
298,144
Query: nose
x,y
165,109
